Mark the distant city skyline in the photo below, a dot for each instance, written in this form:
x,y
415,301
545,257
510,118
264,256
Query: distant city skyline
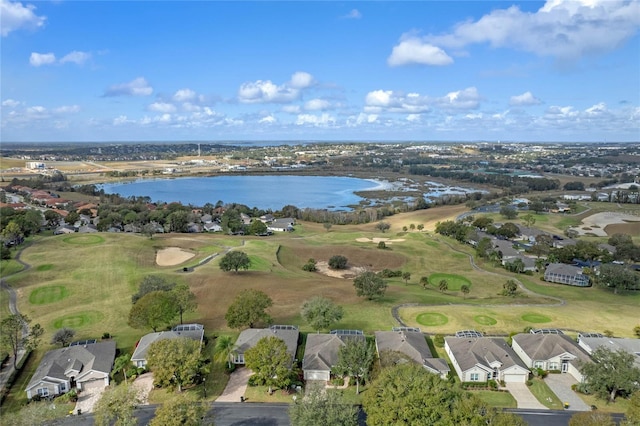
x,y
529,71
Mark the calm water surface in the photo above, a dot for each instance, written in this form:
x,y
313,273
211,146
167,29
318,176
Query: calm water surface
x,y
264,192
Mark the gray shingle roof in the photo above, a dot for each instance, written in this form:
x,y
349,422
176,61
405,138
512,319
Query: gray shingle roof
x,y
547,346
484,351
321,351
82,358
412,344
143,345
250,337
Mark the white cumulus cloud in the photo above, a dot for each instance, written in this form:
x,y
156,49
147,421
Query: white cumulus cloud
x,y
301,80
15,15
163,107
564,29
67,109
315,120
265,91
526,99
11,103
353,14
37,59
468,98
136,87
184,95
76,57
317,105
269,119
413,50
379,101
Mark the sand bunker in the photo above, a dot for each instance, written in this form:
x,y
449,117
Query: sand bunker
x,y
348,273
377,240
173,256
596,223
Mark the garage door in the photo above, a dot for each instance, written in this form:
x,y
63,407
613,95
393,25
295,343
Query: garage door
x,y
515,378
316,375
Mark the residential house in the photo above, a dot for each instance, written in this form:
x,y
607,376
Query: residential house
x,y
267,218
530,234
281,225
88,229
412,343
246,219
566,274
71,367
64,229
250,337
614,344
212,227
485,358
506,250
550,352
321,353
206,218
191,331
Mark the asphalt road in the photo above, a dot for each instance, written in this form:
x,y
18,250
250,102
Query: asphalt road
x,y
250,414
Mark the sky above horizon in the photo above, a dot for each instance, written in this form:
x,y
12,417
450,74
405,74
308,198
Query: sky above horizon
x,y
327,70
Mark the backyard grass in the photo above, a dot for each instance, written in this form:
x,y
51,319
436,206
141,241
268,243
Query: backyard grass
x,y
496,399
544,395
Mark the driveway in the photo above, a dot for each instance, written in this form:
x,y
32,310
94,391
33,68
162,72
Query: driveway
x,y
236,386
523,396
91,393
144,384
560,384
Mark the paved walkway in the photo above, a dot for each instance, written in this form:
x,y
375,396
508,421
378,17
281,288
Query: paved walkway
x,y
236,386
524,397
560,384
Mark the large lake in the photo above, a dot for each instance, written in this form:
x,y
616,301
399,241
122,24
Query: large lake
x,y
263,192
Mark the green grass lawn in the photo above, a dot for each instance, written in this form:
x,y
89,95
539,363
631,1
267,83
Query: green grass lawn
x,y
496,399
544,395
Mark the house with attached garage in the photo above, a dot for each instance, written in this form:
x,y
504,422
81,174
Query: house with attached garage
x,y
281,225
251,336
76,366
480,359
412,343
550,352
191,331
614,344
321,352
566,274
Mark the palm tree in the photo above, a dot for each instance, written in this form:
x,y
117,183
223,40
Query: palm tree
x,y
443,286
425,282
465,290
121,364
225,347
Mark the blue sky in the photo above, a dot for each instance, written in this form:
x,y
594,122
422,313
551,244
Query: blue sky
x,y
329,70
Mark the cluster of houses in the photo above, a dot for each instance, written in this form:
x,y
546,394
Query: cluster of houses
x,y
512,250
474,357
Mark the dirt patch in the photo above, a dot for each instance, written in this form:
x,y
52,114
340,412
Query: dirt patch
x,y
599,224
630,228
348,273
377,240
172,256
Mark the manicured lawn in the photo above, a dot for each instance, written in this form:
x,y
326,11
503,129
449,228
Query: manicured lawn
x,y
48,294
454,282
544,395
485,320
535,318
496,399
432,319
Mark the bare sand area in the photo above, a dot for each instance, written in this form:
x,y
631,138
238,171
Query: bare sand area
x,y
348,273
172,256
377,240
596,223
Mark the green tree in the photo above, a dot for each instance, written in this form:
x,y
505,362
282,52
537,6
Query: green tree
x,y
53,218
178,221
618,277
424,282
327,226
406,276
121,364
174,362
63,337
510,288
529,219
12,233
383,226
235,260
152,283
15,334
154,310
632,416
184,299
270,362
420,227
354,360
370,285
225,346
517,266
407,394
443,285
72,218
180,410
116,405
508,212
248,309
257,227
591,418
320,407
338,262
484,247
611,373
482,222
382,245
636,331
465,290
321,312
310,266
